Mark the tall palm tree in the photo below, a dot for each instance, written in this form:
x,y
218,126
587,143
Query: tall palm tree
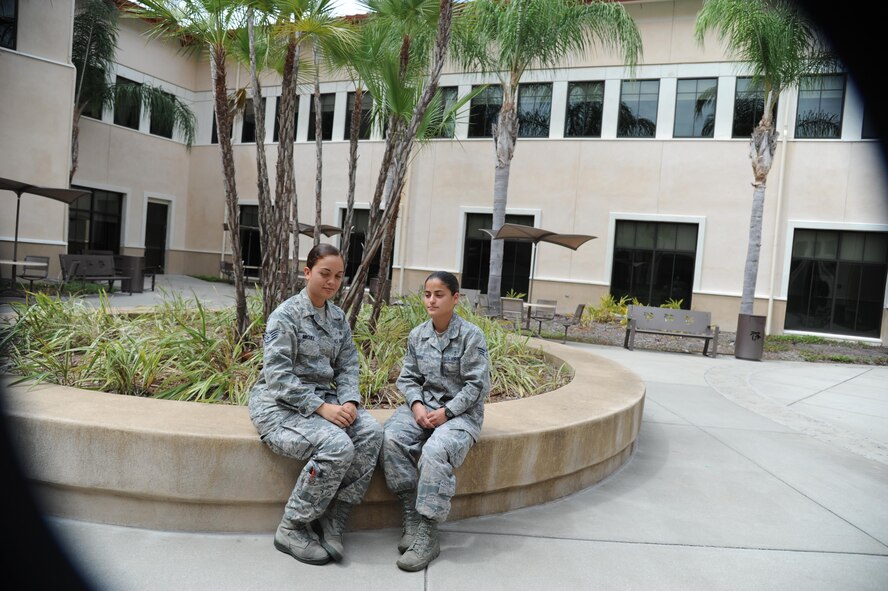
x,y
93,51
780,45
506,38
207,25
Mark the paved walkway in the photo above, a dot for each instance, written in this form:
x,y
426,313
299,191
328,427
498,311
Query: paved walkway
x,y
748,475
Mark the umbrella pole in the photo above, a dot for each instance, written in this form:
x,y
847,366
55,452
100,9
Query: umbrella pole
x,y
18,205
533,269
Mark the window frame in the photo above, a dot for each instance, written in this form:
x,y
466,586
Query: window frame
x,y
636,115
328,113
597,84
539,103
709,110
799,125
122,118
487,122
365,131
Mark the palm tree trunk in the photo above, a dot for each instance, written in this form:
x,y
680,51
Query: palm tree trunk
x,y
762,147
505,133
286,207
75,145
270,272
319,164
383,288
223,125
354,134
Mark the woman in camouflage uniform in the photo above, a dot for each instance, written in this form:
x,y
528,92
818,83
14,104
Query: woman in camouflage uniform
x,y
445,380
306,406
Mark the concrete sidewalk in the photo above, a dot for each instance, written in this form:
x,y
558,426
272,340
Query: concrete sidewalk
x,y
747,475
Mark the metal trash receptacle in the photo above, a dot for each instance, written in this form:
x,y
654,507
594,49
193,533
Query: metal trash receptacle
x,y
134,268
750,342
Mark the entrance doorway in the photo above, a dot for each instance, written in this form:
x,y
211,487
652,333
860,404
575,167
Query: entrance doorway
x,y
156,236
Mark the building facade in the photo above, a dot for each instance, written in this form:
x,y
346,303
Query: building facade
x,y
653,162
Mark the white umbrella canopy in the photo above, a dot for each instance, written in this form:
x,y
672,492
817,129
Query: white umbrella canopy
x,y
68,196
521,233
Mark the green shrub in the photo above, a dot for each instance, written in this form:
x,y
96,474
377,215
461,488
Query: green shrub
x,y
183,351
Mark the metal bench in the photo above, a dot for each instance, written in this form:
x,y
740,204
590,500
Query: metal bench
x,y
96,268
671,322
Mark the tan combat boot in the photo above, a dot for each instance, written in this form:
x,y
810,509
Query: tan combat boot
x,y
424,549
409,519
332,525
297,540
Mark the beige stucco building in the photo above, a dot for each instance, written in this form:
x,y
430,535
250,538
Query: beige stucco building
x,y
619,155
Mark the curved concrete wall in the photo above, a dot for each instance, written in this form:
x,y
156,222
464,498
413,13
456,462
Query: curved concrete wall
x,y
187,466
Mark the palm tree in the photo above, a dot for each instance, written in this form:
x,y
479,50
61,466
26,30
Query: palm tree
x,y
408,108
207,25
506,38
780,46
92,53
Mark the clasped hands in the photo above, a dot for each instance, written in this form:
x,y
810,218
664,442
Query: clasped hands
x,y
428,419
341,416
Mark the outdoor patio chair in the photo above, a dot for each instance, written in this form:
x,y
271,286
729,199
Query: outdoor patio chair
x,y
573,320
543,314
513,310
33,274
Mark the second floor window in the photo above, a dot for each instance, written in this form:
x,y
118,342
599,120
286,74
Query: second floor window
x,y
749,105
448,99
366,109
127,110
695,107
638,108
585,101
485,111
8,23
248,129
534,109
819,113
161,124
328,103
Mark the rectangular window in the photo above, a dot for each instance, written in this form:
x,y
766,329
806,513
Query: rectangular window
x,y
328,103
870,130
749,105
8,23
366,111
654,262
819,114
277,115
837,282
585,103
127,109
638,108
251,249
534,109
484,111
161,123
476,255
248,129
95,221
695,107
448,99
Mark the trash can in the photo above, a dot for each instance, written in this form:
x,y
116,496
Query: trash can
x,y
750,340
134,268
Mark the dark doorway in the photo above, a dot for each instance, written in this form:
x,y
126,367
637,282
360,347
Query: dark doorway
x,y
360,225
251,250
476,255
156,236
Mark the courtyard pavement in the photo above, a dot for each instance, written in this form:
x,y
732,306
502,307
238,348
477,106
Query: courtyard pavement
x,y
747,476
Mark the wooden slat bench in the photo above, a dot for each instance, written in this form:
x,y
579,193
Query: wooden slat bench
x,y
96,268
671,322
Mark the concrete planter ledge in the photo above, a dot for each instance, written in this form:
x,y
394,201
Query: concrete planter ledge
x,y
187,466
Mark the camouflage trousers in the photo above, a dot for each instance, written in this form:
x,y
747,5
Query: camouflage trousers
x,y
340,461
439,450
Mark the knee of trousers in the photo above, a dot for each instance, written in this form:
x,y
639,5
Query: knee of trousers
x,y
338,447
434,454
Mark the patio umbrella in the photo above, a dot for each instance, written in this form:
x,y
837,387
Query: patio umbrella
x,y
326,230
519,233
18,187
